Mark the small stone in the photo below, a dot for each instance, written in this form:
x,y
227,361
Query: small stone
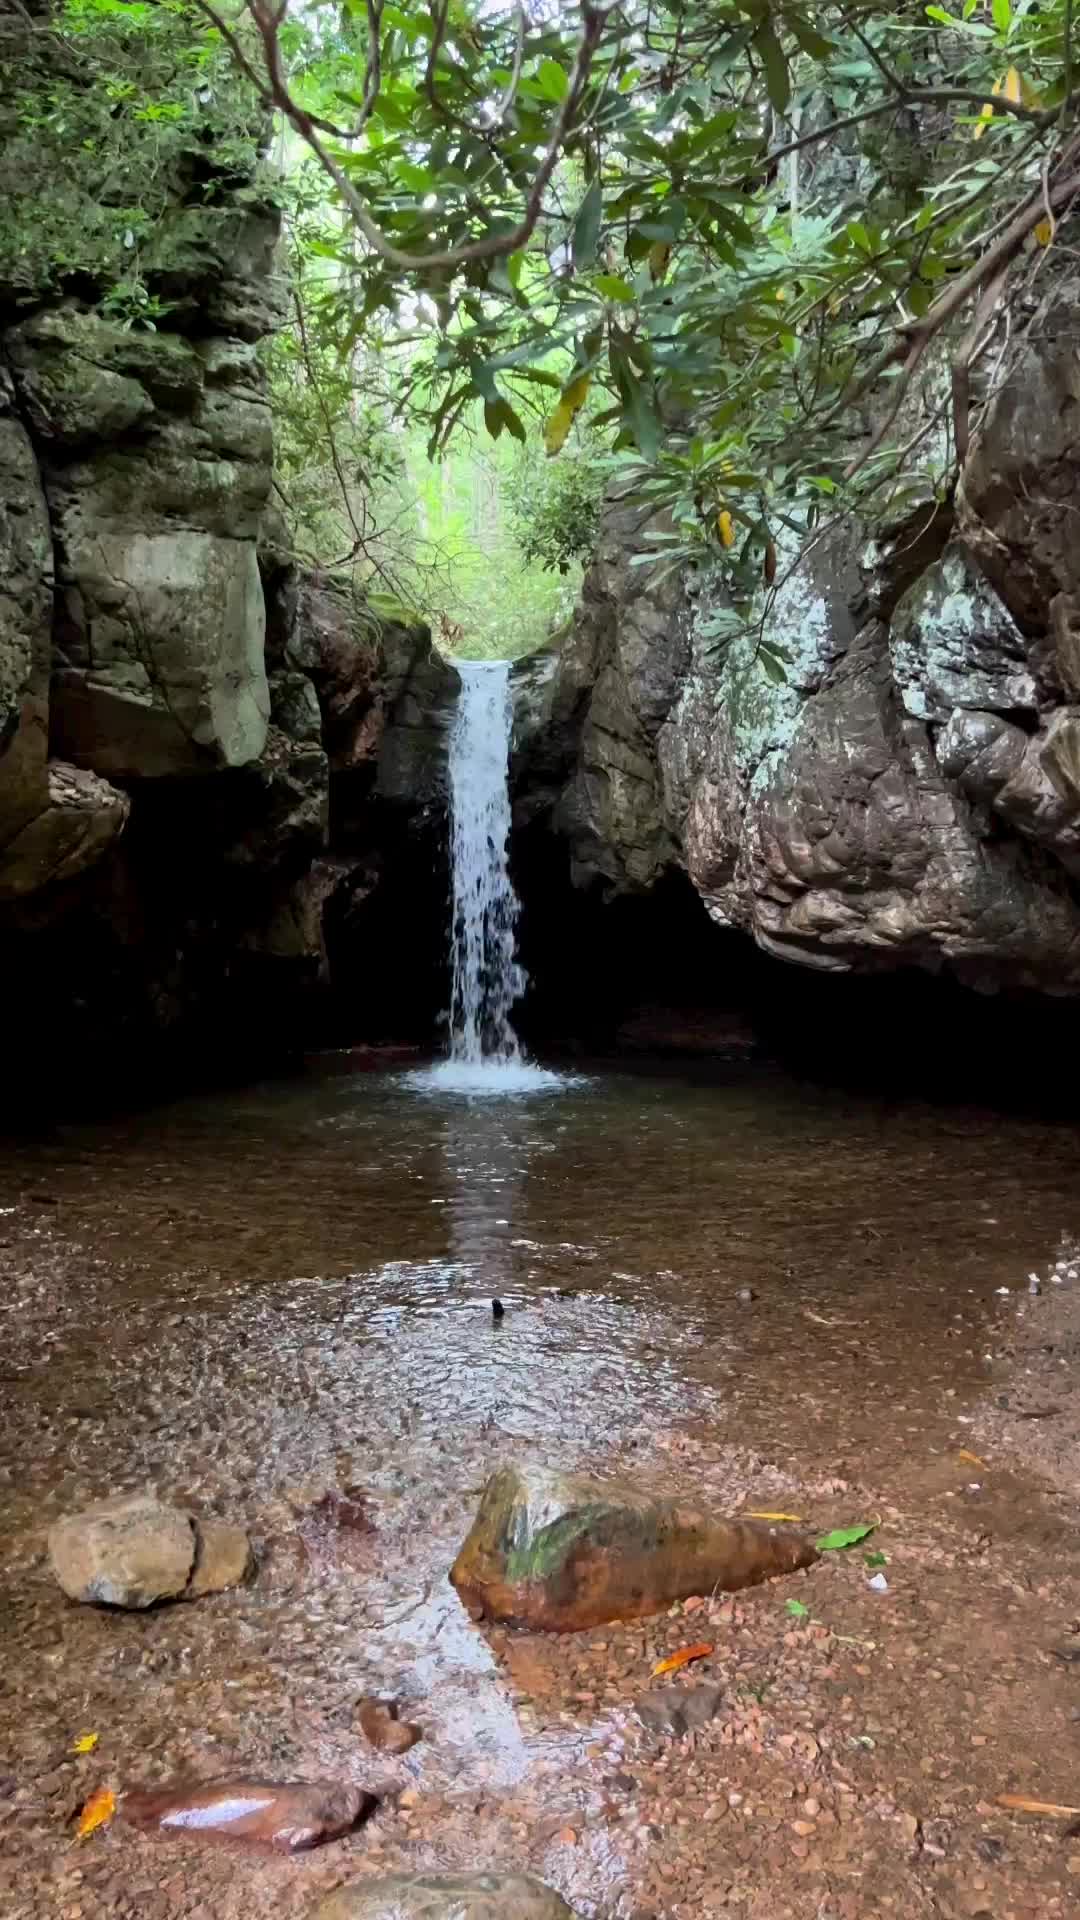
x,y
126,1552
445,1896
379,1723
804,1828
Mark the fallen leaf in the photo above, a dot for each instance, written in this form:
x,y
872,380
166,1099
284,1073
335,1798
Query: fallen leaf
x,y
97,1812
85,1743
797,1610
971,1458
756,1513
843,1537
1019,1803
683,1657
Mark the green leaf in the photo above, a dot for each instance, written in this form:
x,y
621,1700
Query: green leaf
x,y
587,228
843,1537
1002,15
613,287
797,1610
777,77
552,80
876,1559
772,666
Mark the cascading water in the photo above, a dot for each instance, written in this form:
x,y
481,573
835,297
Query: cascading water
x,y
485,1054
487,978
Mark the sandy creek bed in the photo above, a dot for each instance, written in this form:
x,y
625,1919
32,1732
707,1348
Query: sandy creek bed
x,y
245,1299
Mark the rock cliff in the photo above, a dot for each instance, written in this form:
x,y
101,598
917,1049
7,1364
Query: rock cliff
x,y
200,748
910,794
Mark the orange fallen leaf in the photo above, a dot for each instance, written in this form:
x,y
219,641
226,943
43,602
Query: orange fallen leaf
x,y
1020,1803
683,1657
971,1458
97,1812
756,1514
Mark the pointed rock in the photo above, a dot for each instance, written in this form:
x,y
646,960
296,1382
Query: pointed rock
x,y
561,1552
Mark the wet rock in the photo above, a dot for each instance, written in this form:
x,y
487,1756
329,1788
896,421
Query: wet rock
x,y
446,1896
223,1558
289,1818
134,1550
379,1723
562,1553
679,1710
126,1552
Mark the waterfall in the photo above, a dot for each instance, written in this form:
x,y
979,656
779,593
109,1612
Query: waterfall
x,y
487,978
485,1054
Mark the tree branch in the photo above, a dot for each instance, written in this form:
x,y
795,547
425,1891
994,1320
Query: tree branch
x,y
275,90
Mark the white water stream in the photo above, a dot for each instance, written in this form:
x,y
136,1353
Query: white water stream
x,y
485,1053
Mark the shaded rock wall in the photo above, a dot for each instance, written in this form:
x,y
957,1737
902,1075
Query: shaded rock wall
x,y
211,766
910,796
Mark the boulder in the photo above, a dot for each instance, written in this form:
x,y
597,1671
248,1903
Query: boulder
x,y
445,1896
134,1550
561,1552
126,1552
289,1818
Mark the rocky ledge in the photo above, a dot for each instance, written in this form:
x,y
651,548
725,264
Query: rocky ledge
x,y
910,793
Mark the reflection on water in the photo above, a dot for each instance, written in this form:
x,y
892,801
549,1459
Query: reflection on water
x,y
231,1297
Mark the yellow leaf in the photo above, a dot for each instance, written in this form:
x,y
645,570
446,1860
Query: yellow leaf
x,y
971,1458
98,1811
659,255
1044,232
674,1661
725,527
1013,87
987,113
780,294
558,424
85,1743
754,1514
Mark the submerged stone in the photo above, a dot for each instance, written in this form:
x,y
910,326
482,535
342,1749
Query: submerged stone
x,y
135,1549
561,1552
446,1896
126,1552
290,1818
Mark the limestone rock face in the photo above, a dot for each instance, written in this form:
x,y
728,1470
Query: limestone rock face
x,y
156,462
909,794
561,1552
445,1896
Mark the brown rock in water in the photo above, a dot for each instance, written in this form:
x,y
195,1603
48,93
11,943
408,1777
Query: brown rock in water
x,y
126,1552
222,1559
446,1896
288,1818
378,1722
562,1553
